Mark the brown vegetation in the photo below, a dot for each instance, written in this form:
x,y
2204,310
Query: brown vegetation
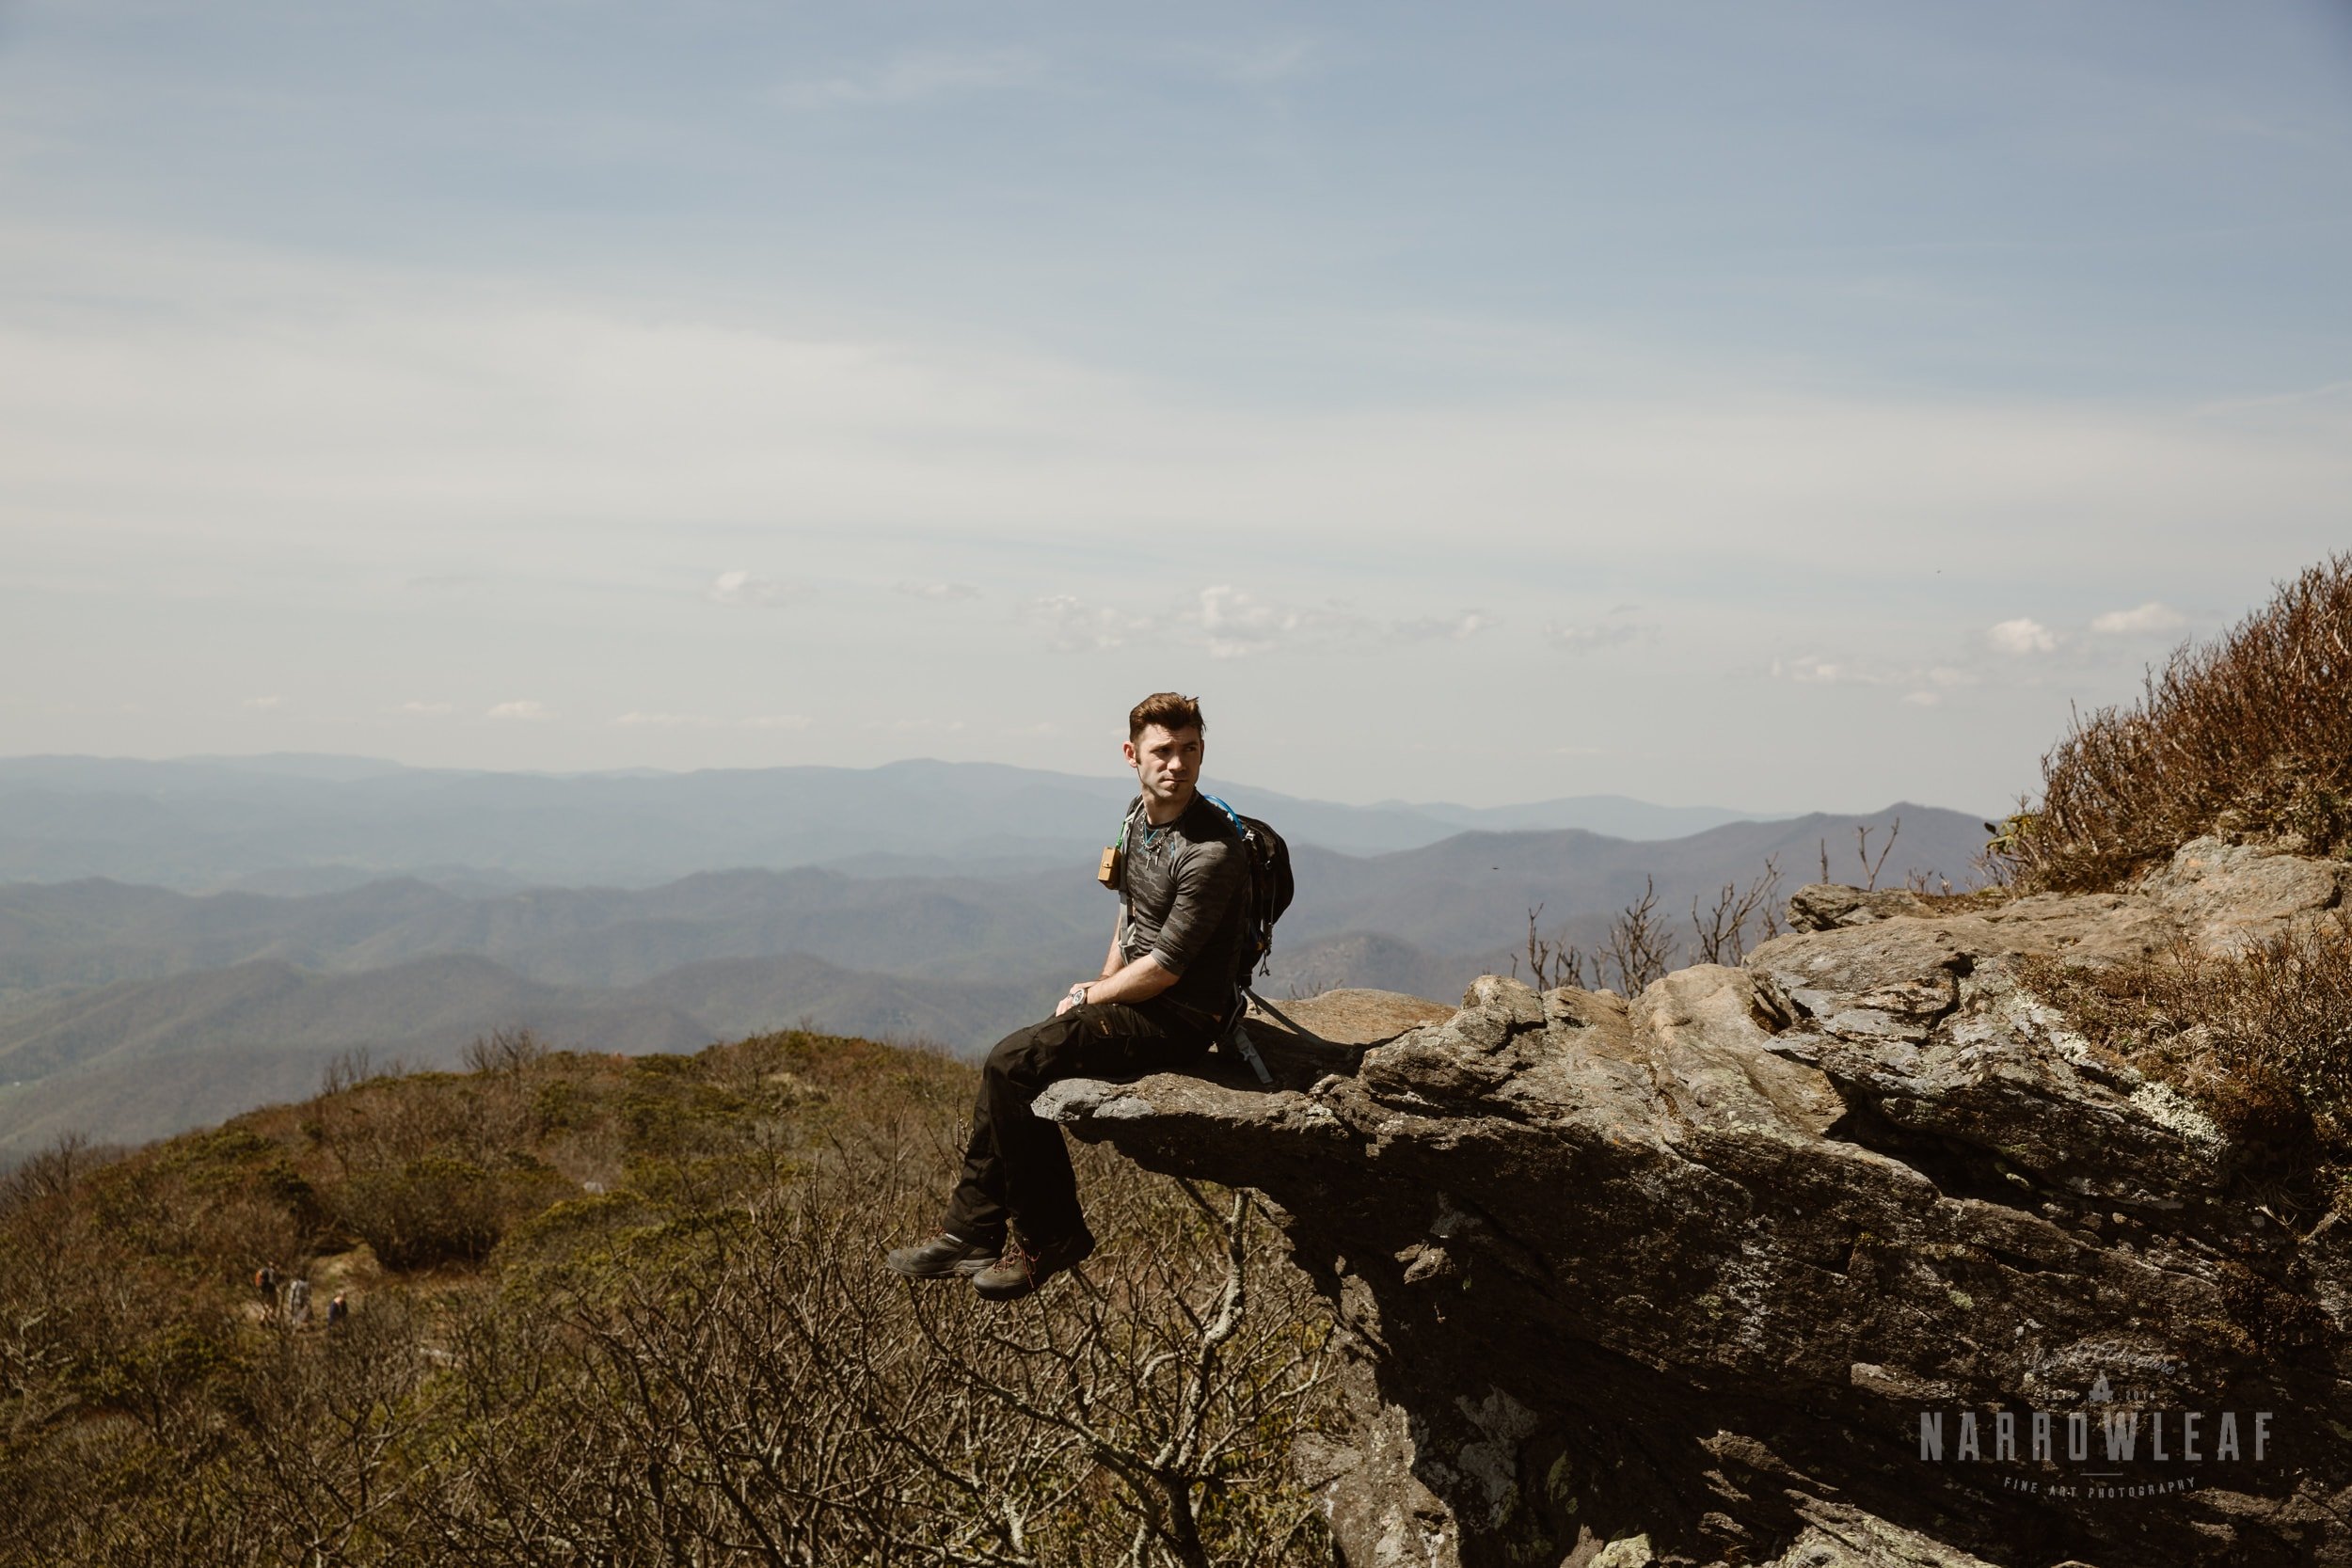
x,y
618,1311
2263,1041
2248,736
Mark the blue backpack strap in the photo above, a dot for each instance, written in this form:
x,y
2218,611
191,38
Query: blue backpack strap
x,y
1230,816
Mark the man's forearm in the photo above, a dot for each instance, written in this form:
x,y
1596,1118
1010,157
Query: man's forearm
x,y
1112,962
1137,982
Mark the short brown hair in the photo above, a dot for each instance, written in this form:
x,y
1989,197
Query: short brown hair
x,y
1171,710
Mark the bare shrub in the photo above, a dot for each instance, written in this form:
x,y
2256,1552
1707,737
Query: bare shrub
x,y
349,1068
2247,735
504,1051
1640,949
1553,962
705,1364
1723,935
1862,851
758,1388
52,1170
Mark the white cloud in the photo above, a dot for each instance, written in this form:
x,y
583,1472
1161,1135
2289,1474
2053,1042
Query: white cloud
x,y
740,588
524,710
1234,623
417,709
774,721
2148,619
1460,627
1226,621
264,704
1585,639
937,590
917,78
1072,626
1924,699
1813,670
520,429
2020,637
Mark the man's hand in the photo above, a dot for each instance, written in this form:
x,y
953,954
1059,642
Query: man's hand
x,y
1137,982
1070,999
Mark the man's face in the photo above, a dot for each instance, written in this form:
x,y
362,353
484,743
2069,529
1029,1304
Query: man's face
x,y
1167,762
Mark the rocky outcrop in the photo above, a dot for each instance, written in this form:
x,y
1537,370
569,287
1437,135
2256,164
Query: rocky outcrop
x,y
1794,1263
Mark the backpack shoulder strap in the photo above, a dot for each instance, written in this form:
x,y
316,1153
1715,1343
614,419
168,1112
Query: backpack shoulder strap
x,y
1241,828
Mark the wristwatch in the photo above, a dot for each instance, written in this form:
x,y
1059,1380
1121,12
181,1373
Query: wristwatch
x,y
1078,995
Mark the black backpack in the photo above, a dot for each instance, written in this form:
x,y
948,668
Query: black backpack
x,y
1270,888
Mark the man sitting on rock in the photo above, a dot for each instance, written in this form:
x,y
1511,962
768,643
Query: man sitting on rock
x,y
1166,993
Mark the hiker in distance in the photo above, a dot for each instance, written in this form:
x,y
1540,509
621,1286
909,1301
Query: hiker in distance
x,y
1168,990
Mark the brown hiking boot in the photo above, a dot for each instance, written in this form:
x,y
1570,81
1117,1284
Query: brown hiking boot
x,y
1021,1269
942,1256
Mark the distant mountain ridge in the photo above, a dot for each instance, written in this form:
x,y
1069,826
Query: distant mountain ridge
x,y
1467,894
127,1007
209,823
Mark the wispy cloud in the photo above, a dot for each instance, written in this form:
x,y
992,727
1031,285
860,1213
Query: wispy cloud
x,y
1228,621
524,710
1264,64
420,709
1928,682
774,721
1814,670
1073,627
1460,627
738,588
1587,638
918,78
2151,619
937,590
263,703
2020,636
1233,623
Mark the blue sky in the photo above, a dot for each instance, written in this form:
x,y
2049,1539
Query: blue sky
x,y
1783,406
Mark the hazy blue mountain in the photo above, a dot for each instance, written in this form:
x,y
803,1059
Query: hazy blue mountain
x,y
75,935
1465,894
1471,893
106,984
1610,815
314,824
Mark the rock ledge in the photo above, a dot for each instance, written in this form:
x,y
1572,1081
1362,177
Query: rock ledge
x,y
1686,1278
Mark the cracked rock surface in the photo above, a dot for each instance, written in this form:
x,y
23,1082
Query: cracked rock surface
x,y
1681,1279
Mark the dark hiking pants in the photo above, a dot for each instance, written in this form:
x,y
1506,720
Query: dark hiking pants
x,y
1017,1167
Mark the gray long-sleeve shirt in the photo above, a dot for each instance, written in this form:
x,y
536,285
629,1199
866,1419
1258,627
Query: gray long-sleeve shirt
x,y
1182,901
